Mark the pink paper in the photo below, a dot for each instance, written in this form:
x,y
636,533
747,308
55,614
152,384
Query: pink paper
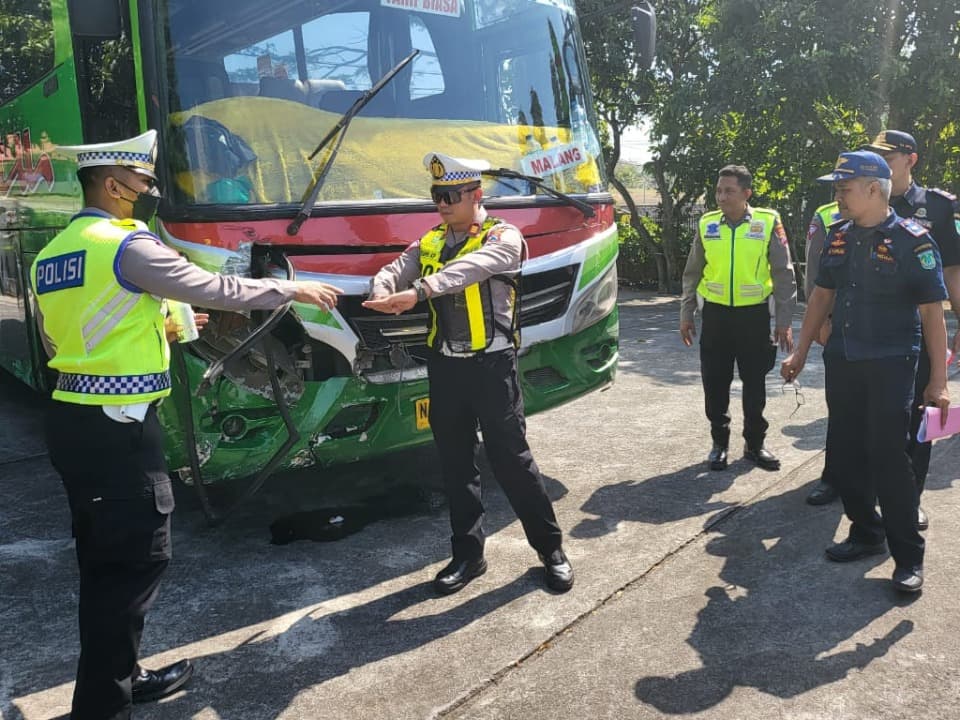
x,y
930,424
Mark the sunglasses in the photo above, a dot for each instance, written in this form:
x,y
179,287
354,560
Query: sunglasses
x,y
450,197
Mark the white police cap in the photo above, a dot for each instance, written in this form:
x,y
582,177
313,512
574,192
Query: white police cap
x,y
447,170
138,154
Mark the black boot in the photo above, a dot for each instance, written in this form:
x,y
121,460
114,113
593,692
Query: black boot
x,y
718,457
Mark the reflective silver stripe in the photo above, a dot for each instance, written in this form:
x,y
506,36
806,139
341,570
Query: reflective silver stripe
x,y
92,308
102,313
716,288
111,322
751,290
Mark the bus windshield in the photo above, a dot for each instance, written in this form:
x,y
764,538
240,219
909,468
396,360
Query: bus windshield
x,y
252,87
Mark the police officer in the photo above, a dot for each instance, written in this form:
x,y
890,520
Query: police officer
x,y
939,213
739,259
467,268
99,288
824,491
881,275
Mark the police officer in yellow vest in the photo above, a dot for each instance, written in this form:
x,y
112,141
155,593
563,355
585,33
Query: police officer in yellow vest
x,y
738,261
100,288
825,491
467,268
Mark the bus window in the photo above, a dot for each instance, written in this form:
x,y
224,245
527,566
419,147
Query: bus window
x,y
427,78
108,90
27,52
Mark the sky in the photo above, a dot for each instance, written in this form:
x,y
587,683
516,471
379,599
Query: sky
x,y
634,146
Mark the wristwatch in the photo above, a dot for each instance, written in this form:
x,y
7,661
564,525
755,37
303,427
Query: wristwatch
x,y
421,291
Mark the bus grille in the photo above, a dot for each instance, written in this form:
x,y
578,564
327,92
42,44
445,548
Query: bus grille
x,y
545,295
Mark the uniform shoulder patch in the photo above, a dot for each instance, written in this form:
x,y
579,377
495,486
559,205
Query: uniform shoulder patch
x,y
928,261
913,227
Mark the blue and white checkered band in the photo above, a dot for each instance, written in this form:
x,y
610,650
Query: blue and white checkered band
x,y
113,384
115,157
459,176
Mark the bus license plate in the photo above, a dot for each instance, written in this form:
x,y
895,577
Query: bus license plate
x,y
423,414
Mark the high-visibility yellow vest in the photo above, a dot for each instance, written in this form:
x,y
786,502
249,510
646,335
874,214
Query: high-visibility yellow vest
x,y
109,342
463,320
737,270
828,214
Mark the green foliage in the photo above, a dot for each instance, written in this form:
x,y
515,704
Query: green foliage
x,y
781,87
26,44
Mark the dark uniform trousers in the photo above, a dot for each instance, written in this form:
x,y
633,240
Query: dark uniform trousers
x,y
919,452
484,389
120,503
738,335
869,405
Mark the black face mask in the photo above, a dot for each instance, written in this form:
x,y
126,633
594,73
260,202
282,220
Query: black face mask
x,y
145,205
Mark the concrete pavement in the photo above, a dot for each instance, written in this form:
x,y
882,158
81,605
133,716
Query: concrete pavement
x,y
698,594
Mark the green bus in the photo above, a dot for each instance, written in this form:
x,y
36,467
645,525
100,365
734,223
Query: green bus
x,y
242,92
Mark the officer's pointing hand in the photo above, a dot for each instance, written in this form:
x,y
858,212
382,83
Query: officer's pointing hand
x,y
393,304
318,293
687,332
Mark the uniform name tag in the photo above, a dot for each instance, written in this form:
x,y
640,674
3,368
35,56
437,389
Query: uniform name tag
x,y
60,272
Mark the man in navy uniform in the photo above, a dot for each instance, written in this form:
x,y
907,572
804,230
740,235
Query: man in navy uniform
x,y
939,213
466,268
100,288
881,275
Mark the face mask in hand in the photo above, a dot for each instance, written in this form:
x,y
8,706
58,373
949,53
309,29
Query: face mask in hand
x,y
145,205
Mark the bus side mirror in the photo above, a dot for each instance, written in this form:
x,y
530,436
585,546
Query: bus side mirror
x,y
96,19
644,20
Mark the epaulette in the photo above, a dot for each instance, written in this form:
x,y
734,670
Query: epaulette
x,y
836,223
912,227
948,195
127,224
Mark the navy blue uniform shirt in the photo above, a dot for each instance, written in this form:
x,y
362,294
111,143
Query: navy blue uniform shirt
x,y
937,211
880,274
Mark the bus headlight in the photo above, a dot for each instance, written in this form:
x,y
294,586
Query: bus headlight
x,y
598,302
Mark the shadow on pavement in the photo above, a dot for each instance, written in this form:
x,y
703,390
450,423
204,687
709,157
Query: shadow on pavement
x,y
684,493
342,641
773,571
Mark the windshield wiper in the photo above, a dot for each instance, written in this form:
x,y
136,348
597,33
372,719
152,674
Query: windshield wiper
x,y
341,127
585,208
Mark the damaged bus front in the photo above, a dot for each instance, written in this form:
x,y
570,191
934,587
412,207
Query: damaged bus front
x,y
268,111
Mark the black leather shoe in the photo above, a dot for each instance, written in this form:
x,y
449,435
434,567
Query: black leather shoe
x,y
908,580
923,522
718,458
762,458
457,574
155,684
850,550
822,494
559,571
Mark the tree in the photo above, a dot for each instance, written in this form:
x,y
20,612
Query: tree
x,y
781,87
26,45
625,92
